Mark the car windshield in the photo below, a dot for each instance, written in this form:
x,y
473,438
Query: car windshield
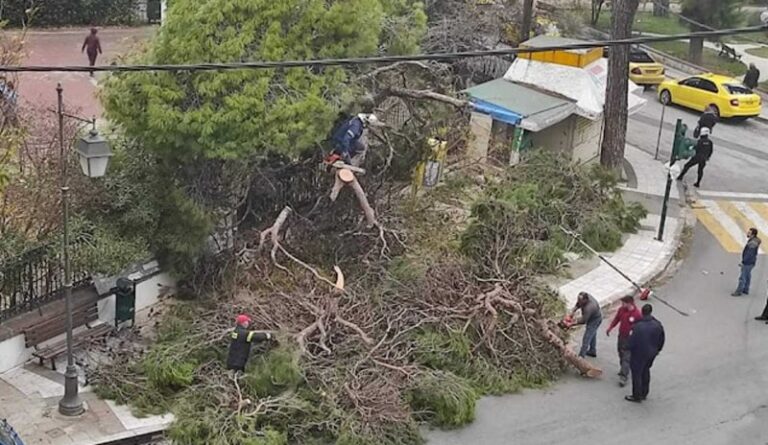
x,y
640,57
738,89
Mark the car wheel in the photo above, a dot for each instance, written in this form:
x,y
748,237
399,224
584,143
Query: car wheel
x,y
666,97
739,118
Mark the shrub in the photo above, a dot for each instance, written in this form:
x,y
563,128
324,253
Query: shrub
x,y
443,399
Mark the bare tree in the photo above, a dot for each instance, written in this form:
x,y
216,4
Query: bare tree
x,y
615,112
525,28
597,8
661,8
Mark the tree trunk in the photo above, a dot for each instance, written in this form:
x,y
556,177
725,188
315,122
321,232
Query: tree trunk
x,y
661,8
695,50
597,7
615,111
525,27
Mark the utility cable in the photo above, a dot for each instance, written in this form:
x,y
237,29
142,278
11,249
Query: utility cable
x,y
380,59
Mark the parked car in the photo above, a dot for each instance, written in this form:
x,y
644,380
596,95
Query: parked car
x,y
728,97
643,69
7,435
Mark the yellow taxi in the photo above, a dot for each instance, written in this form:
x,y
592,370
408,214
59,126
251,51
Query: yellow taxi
x,y
727,96
643,70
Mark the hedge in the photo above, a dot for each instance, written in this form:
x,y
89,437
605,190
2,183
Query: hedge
x,y
41,13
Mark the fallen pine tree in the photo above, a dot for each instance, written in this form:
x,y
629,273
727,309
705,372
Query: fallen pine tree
x,y
437,307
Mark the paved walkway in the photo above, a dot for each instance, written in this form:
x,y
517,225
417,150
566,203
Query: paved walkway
x,y
641,257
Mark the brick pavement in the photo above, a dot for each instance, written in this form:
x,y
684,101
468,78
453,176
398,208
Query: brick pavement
x,y
62,47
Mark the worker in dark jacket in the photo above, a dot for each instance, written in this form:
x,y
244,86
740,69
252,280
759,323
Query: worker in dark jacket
x,y
703,153
645,343
625,318
748,260
752,78
348,139
92,47
708,119
591,317
240,341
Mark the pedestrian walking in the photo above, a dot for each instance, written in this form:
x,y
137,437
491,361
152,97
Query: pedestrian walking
x,y
625,318
645,343
752,78
703,153
240,341
92,47
708,119
591,317
748,261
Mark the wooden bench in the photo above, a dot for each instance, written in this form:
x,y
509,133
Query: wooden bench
x,y
728,52
54,326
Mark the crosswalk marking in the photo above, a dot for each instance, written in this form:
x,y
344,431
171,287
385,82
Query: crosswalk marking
x,y
728,221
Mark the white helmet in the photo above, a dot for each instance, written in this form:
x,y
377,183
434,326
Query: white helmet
x,y
369,119
704,132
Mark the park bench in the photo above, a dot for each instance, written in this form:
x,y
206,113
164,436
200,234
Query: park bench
x,y
728,52
83,314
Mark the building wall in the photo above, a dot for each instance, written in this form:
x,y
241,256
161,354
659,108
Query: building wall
x,y
587,136
557,138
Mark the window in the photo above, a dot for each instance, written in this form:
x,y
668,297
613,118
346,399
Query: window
x,y
737,89
706,85
692,82
640,57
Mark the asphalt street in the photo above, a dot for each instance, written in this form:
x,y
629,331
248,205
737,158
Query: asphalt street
x,y
740,148
708,385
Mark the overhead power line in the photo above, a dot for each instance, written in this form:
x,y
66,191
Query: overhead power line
x,y
381,59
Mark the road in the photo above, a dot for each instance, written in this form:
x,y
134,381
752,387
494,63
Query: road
x,y
708,385
740,153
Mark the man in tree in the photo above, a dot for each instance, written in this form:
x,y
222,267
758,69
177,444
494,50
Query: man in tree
x,y
591,317
625,317
752,78
703,153
349,139
240,341
645,343
93,46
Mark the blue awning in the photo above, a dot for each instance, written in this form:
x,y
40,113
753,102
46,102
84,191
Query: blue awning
x,y
496,112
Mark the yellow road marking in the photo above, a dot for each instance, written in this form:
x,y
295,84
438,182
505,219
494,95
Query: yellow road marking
x,y
717,230
761,208
735,214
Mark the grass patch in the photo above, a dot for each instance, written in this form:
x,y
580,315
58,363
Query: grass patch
x,y
759,52
646,22
710,60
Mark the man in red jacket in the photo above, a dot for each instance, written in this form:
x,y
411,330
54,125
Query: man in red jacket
x,y
625,317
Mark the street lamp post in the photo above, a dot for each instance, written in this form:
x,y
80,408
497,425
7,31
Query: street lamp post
x,y
94,156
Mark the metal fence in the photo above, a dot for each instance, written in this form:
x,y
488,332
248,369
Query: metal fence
x,y
34,278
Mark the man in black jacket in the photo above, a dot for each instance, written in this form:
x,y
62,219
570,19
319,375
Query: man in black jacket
x,y
645,343
703,153
752,78
240,341
708,119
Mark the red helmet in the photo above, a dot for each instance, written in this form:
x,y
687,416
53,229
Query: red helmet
x,y
242,319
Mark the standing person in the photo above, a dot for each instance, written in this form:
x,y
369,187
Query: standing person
x,y
708,119
645,343
240,341
591,317
703,153
752,78
625,317
93,46
748,260
348,138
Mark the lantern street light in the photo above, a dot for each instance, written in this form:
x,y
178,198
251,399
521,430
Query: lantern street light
x,y
94,153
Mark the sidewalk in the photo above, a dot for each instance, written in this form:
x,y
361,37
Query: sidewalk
x,y
29,398
641,257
